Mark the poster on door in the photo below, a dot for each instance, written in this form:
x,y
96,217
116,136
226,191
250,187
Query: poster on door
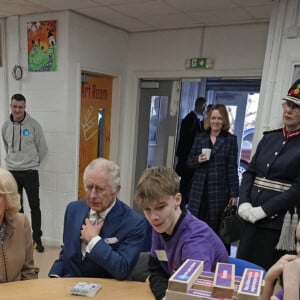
x,y
95,118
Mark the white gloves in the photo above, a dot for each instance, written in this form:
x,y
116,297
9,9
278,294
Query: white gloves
x,y
256,214
251,214
244,210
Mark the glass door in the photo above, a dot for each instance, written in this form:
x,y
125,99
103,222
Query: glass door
x,y
157,124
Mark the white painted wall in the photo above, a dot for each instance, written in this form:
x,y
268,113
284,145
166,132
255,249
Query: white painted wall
x,y
282,55
44,91
84,44
53,98
237,51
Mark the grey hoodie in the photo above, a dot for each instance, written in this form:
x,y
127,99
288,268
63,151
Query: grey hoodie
x,y
24,143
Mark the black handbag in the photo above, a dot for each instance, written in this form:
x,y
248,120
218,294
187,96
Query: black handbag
x,y
230,228
183,170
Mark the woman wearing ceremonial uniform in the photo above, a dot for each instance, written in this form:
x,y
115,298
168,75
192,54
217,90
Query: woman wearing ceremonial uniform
x,y
270,190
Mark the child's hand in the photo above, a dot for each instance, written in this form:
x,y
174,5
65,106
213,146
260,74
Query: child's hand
x,y
273,273
291,279
277,269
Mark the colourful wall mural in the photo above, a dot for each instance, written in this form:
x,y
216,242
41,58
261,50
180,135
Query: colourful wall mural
x,y
42,50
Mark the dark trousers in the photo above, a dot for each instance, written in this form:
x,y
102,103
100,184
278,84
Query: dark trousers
x,y
186,177
185,189
29,180
257,245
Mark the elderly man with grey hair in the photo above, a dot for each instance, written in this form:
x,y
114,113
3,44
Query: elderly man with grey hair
x,y
102,236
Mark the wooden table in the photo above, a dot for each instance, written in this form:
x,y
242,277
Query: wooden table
x,y
58,289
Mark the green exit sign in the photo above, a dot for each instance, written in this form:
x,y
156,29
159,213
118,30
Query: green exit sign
x,y
198,63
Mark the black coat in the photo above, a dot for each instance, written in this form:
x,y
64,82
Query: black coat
x,y
190,127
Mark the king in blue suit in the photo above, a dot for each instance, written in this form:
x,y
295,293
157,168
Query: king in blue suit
x,y
109,248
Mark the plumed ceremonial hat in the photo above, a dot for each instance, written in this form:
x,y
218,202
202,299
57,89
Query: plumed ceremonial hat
x,y
294,93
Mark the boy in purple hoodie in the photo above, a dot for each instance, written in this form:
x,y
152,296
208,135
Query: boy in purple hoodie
x,y
176,235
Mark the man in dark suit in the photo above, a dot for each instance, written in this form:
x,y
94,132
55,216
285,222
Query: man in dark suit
x,y
102,236
191,125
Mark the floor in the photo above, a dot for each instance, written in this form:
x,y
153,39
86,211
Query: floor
x,y
45,260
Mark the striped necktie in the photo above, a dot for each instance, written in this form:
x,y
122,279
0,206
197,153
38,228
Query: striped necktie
x,y
94,219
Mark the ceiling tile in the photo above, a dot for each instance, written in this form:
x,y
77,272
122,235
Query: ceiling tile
x,y
177,21
116,2
260,12
116,19
200,5
65,4
223,16
101,12
243,3
140,15
19,8
148,8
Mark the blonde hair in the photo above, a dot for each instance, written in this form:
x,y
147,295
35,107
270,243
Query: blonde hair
x,y
9,188
224,113
155,183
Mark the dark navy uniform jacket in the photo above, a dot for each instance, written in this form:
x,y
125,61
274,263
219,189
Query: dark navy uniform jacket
x,y
276,159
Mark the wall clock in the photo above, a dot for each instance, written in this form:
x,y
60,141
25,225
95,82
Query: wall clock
x,y
17,72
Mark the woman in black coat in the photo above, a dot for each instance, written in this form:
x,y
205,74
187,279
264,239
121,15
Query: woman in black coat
x,y
215,182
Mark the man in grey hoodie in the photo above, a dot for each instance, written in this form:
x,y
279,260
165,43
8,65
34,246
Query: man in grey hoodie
x,y
26,147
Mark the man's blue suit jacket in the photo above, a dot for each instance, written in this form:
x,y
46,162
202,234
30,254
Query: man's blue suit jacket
x,y
123,236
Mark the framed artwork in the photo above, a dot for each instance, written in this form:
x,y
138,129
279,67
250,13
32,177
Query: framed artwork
x,y
42,49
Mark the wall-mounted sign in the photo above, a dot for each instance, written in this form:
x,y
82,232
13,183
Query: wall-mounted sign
x,y
198,63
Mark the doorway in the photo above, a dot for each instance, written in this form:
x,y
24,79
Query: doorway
x,y
235,103
164,103
95,116
157,124
241,97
